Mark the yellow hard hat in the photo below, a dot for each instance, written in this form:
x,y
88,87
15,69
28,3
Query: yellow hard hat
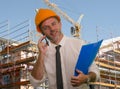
x,y
43,14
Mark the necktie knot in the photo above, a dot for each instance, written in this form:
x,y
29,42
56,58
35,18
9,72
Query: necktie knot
x,y
58,47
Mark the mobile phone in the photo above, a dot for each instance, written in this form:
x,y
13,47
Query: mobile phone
x,y
46,40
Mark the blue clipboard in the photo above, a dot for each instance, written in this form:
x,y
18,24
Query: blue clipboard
x,y
86,57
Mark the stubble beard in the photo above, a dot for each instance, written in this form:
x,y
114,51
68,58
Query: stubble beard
x,y
56,39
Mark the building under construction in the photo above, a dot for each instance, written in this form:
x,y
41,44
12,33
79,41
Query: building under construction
x,y
18,53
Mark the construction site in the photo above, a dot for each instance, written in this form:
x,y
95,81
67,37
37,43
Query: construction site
x,y
18,53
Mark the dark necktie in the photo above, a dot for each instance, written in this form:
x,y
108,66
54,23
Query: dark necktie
x,y
59,79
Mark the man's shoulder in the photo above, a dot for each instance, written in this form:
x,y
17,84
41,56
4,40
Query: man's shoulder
x,y
75,40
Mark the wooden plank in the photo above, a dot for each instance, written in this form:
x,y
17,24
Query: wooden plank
x,y
117,64
15,84
117,51
110,77
117,73
107,66
14,47
105,84
21,61
11,70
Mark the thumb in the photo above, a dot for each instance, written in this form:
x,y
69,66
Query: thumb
x,y
78,71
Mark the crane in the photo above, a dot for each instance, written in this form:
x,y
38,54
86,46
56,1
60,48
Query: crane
x,y
76,30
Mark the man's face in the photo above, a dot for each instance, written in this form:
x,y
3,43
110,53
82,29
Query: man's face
x,y
51,28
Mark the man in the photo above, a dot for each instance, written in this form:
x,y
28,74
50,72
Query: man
x,y
49,24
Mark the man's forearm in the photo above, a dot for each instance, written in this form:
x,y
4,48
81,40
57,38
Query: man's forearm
x,y
91,77
38,70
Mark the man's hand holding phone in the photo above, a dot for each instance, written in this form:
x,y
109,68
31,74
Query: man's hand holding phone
x,y
42,46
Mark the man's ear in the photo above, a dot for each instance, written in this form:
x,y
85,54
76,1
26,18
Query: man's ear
x,y
38,29
42,33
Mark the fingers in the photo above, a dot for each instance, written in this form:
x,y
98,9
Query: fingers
x,y
75,84
41,45
41,39
77,77
77,80
74,81
78,71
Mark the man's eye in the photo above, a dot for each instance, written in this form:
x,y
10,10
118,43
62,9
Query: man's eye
x,y
45,28
54,23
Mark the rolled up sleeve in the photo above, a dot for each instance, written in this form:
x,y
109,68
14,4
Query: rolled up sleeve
x,y
94,68
35,82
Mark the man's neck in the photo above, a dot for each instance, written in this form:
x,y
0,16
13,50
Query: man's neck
x,y
58,41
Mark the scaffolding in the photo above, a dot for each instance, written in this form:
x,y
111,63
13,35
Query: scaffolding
x,y
18,52
109,65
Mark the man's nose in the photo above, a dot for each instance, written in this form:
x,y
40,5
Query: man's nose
x,y
52,28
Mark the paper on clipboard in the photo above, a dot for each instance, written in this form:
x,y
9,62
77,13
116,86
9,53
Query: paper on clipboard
x,y
86,57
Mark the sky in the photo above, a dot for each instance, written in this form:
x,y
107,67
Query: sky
x,y
101,17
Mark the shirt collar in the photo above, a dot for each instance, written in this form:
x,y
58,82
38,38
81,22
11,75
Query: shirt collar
x,y
62,42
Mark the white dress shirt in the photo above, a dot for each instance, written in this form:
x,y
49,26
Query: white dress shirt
x,y
69,51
